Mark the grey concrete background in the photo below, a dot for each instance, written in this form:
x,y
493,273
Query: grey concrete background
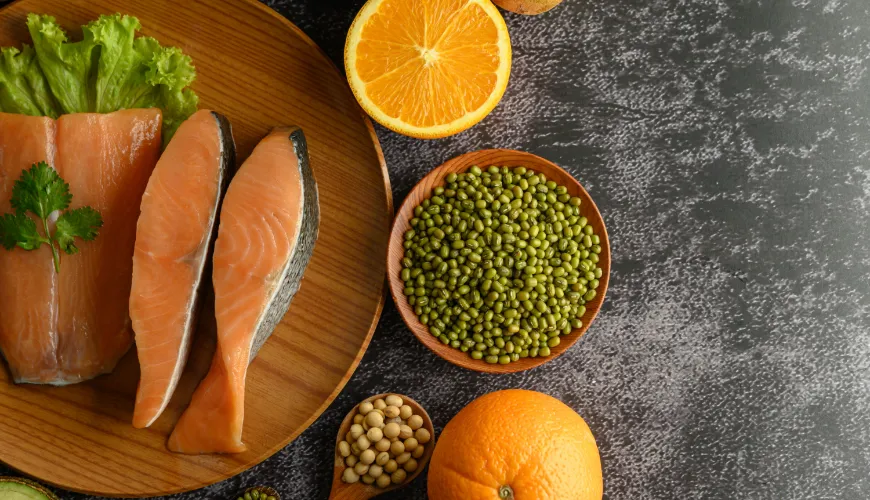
x,y
727,144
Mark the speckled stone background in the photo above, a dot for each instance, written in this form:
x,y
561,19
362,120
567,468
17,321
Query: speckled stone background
x,y
727,144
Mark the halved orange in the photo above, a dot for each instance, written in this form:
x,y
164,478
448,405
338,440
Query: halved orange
x,y
428,68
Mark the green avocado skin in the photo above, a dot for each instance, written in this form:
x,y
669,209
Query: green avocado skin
x,y
21,489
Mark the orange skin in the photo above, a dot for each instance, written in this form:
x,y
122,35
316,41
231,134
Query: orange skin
x,y
516,444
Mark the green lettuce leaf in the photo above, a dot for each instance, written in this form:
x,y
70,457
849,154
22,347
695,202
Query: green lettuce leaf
x,y
108,70
120,80
139,73
170,72
67,66
23,87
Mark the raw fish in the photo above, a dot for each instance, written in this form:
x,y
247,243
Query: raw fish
x,y
72,326
173,240
268,227
28,283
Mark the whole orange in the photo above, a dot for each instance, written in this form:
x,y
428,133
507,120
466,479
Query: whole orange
x,y
516,444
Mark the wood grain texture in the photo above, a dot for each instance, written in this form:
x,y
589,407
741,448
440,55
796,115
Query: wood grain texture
x,y
423,190
362,491
260,71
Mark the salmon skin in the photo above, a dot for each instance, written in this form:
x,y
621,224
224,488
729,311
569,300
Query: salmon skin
x,y
268,228
174,238
74,325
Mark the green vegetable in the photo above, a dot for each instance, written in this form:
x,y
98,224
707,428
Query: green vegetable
x,y
108,70
41,192
500,264
259,493
14,488
81,223
23,87
68,67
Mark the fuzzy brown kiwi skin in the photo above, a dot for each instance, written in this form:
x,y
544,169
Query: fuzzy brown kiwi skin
x,y
527,7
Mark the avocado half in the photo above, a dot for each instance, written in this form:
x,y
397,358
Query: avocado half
x,y
16,488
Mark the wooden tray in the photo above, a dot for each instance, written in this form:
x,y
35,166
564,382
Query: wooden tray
x,y
260,71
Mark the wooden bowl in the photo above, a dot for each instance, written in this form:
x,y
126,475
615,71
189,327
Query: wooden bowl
x,y
360,490
423,190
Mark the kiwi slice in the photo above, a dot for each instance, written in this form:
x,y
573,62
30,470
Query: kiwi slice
x,y
16,488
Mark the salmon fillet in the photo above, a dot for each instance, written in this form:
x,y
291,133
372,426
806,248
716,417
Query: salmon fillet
x,y
79,316
28,283
267,231
107,160
175,231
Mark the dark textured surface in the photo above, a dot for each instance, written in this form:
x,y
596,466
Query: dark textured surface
x,y
727,144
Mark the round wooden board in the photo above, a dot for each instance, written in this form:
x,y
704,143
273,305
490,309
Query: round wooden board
x,y
260,71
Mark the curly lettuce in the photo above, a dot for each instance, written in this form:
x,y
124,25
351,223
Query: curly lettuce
x,y
23,86
108,70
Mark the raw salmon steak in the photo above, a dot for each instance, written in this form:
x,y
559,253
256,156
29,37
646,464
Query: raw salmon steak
x,y
268,227
75,325
174,236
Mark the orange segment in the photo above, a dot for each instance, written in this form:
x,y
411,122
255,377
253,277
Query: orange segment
x,y
428,69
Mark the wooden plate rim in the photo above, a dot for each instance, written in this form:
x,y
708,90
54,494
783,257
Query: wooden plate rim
x,y
421,331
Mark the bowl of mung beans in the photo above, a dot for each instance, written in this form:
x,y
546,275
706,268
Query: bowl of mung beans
x,y
498,261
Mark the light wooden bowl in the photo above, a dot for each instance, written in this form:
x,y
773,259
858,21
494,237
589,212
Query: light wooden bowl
x,y
423,190
360,490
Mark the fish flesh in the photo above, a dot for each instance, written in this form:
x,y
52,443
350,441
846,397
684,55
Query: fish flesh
x,y
174,236
28,283
107,160
268,227
75,325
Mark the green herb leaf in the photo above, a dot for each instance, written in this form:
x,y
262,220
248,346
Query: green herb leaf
x,y
40,190
19,230
82,222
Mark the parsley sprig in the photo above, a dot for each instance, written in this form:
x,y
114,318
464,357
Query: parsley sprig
x,y
41,191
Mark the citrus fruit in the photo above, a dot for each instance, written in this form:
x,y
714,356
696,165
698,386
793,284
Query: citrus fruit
x,y
429,68
517,445
528,7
